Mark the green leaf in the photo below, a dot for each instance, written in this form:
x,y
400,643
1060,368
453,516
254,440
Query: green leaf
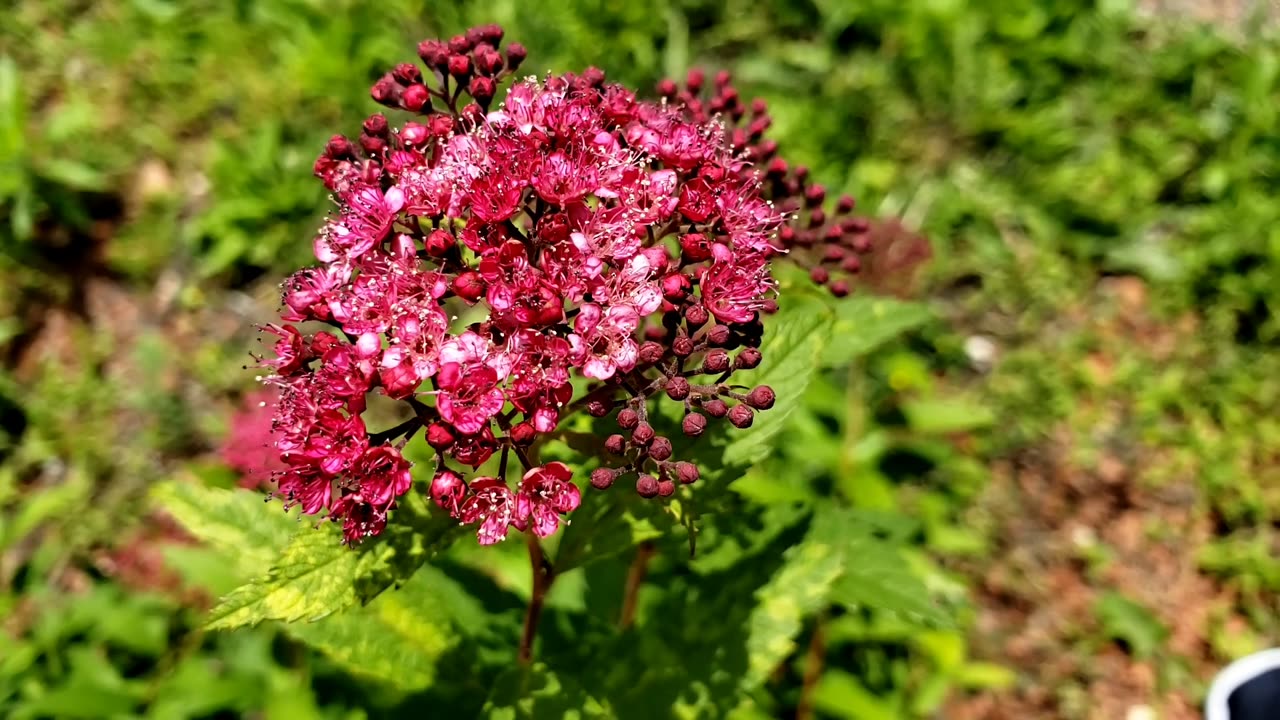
x,y
947,415
237,523
608,524
538,693
864,322
317,575
842,695
793,339
1131,623
397,639
798,590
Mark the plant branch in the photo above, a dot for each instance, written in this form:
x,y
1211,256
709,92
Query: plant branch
x,y
812,672
543,576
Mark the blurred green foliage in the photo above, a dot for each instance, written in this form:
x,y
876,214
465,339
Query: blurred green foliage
x,y
1040,146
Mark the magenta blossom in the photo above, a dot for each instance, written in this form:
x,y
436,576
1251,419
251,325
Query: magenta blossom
x,y
545,494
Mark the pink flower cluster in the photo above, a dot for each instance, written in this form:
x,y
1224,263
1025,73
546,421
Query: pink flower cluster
x,y
482,256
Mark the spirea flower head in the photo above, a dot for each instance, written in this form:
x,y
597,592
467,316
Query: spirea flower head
x,y
582,231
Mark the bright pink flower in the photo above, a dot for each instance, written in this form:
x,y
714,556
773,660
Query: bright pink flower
x,y
382,474
605,342
414,354
491,504
367,217
545,494
448,489
735,291
291,350
307,486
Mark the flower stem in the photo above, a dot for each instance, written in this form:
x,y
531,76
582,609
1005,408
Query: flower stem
x,y
812,672
635,578
543,576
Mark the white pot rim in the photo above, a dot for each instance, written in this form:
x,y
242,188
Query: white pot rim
x,y
1233,676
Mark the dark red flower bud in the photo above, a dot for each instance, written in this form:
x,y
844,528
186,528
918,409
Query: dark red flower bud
x,y
376,125
675,287
339,147
491,33
434,53
468,285
660,448
515,55
716,361
602,478
643,434
473,113
687,472
407,73
677,388
651,352
482,88
459,66
741,416
647,486
460,44
440,242
716,408
693,424
696,316
441,124
747,359
840,288
416,98
761,398
373,146
628,418
666,488
386,91
667,88
769,306
522,433
844,205
851,264
719,335
694,80
593,76
819,275
487,60
599,407
682,346
814,195
440,436
615,444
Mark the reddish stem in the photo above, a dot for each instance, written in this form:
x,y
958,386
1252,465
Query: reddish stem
x,y
543,576
635,578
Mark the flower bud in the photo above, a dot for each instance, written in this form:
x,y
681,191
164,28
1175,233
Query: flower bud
x,y
651,352
643,434
761,398
747,359
647,486
814,195
386,91
416,98
660,448
522,433
666,88
593,76
682,346
602,478
447,490
414,134
482,88
819,275
440,436
851,264
515,55
615,444
459,66
439,243
696,316
677,388
694,80
628,418
441,124
468,285
599,407
694,424
695,247
340,148
741,416
487,60
716,361
460,44
666,488
716,408
675,287
434,53
372,146
719,335
407,74
840,288
687,473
